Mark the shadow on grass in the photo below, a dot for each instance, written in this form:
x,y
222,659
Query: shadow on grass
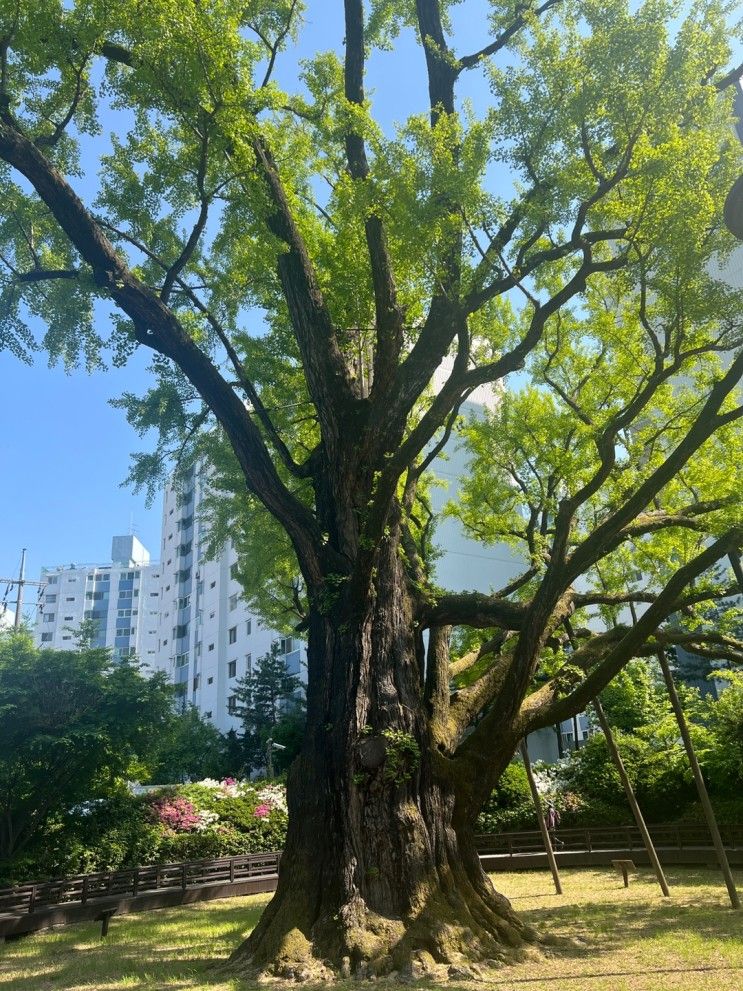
x,y
171,948
696,911
632,933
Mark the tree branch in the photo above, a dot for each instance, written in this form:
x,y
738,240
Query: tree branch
x,y
156,327
544,707
707,422
497,44
474,609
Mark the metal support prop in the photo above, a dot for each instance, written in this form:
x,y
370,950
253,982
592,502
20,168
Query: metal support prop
x,y
699,780
630,793
540,818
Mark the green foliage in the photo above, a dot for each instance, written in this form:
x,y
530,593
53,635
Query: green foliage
x,y
402,755
123,831
271,706
73,725
510,806
190,748
637,697
585,786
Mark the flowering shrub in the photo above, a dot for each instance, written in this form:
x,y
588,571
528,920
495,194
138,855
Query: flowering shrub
x,y
177,814
198,821
274,796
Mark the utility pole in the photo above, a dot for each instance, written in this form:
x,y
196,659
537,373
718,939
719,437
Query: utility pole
x,y
21,581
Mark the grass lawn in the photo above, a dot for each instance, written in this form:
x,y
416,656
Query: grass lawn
x,y
631,940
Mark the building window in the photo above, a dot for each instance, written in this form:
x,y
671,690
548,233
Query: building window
x,y
46,637
211,646
209,681
49,617
232,704
51,598
70,598
249,664
233,570
196,681
68,619
67,638
232,669
249,627
233,602
213,585
51,580
232,634
208,714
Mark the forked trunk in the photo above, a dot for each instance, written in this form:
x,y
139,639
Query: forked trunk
x,y
379,873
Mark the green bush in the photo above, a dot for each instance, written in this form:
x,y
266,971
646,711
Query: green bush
x,y
127,830
510,805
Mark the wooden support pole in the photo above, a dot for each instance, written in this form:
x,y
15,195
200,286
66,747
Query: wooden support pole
x,y
734,558
630,793
540,818
699,780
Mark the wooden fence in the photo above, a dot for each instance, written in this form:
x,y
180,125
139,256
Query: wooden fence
x,y
83,888
684,836
202,874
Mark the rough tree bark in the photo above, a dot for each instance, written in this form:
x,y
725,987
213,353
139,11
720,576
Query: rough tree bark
x,y
380,872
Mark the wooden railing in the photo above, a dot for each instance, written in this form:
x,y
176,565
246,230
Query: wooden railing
x,y
139,880
683,836
123,884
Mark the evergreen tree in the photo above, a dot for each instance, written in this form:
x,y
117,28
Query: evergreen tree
x,y
271,707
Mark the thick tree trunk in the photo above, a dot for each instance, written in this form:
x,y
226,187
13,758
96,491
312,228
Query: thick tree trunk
x,y
380,873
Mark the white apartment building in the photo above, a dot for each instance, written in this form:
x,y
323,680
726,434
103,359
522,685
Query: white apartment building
x,y
122,597
208,639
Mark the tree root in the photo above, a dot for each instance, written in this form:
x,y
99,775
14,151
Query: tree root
x,y
453,936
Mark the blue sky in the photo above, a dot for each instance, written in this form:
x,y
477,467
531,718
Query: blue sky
x,y
64,450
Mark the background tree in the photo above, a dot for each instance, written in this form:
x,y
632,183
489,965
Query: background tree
x,y
271,706
74,726
189,749
564,232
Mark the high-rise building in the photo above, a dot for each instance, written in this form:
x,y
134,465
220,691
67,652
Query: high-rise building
x,y
122,598
208,638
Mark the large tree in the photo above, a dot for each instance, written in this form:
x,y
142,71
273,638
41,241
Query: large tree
x,y
562,235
